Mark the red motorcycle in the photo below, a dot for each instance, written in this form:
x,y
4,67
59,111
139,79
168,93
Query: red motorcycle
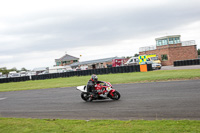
x,y
104,91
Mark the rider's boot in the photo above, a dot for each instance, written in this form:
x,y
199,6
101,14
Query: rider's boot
x,y
95,94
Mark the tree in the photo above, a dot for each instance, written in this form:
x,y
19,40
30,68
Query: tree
x,y
128,57
136,55
198,51
13,69
4,70
23,69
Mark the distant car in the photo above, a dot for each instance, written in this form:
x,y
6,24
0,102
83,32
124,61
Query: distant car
x,y
156,66
2,77
45,72
12,75
23,73
30,73
132,61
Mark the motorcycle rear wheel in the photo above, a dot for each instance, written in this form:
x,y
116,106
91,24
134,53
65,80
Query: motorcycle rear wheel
x,y
86,97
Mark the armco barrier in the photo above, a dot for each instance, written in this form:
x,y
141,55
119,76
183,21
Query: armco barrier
x,y
121,69
187,62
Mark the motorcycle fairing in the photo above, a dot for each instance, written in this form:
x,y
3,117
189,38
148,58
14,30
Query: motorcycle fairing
x,y
82,88
111,92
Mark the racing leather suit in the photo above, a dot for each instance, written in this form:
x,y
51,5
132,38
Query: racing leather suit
x,y
91,86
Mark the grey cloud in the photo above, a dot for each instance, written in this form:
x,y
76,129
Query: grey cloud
x,y
73,30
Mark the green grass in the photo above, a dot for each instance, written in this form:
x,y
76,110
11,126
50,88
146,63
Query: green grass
x,y
21,125
151,76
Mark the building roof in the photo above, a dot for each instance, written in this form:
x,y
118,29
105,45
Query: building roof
x,y
94,61
164,37
66,57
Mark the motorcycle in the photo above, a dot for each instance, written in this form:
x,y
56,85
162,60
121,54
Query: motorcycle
x,y
104,91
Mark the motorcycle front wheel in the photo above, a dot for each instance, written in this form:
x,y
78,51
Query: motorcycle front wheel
x,y
116,95
86,97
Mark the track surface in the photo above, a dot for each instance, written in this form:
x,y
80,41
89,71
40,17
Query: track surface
x,y
150,101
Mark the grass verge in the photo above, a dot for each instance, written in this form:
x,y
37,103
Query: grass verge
x,y
20,125
151,76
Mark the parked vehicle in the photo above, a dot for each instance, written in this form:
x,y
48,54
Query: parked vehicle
x,y
30,73
105,91
84,67
13,74
132,61
150,59
60,69
44,72
145,59
118,62
40,70
156,66
23,73
2,75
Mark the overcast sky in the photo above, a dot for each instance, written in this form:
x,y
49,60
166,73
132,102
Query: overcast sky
x,y
33,33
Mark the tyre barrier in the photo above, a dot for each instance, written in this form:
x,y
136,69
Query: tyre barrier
x,y
16,79
187,62
120,69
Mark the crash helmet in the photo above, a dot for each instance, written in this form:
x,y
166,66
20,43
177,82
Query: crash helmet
x,y
94,78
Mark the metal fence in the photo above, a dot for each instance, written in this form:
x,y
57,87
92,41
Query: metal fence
x,y
122,69
188,43
187,62
153,47
147,48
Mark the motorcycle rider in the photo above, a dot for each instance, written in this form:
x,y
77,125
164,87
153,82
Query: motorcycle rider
x,y
91,85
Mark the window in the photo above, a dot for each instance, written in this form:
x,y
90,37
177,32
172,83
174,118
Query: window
x,y
75,61
159,42
166,41
162,42
177,40
65,62
171,40
58,63
164,57
154,58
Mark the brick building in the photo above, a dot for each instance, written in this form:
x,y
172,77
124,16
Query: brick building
x,y
171,48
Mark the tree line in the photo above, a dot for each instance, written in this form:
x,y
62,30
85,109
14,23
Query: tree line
x,y
4,70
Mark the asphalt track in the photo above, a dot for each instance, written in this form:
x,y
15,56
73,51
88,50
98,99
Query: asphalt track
x,y
149,101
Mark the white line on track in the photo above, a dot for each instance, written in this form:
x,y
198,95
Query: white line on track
x,y
3,98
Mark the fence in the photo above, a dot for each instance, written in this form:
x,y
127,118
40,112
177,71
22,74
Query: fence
x,y
153,47
187,62
147,48
188,43
122,69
